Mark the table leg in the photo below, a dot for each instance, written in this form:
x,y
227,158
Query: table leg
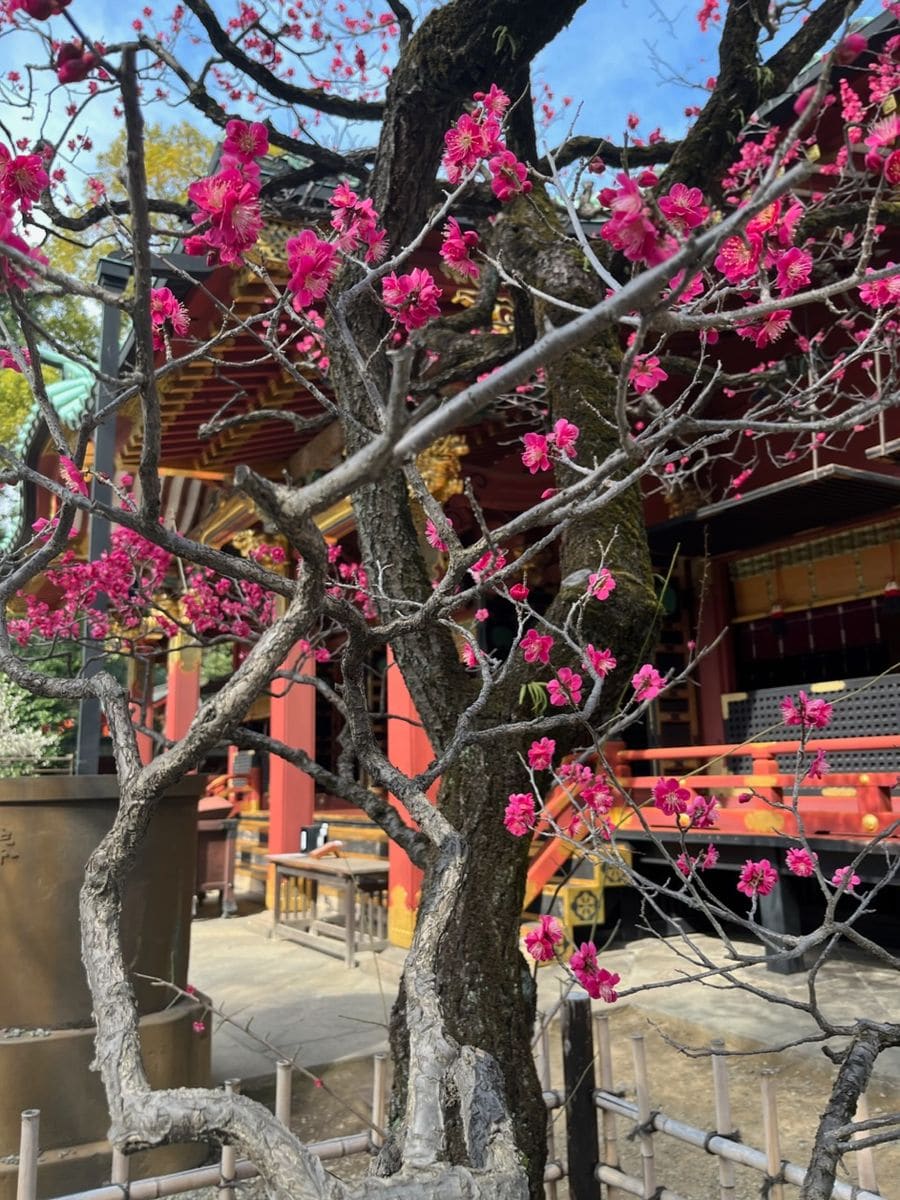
x,y
276,911
350,925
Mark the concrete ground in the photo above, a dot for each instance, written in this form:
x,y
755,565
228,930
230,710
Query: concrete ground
x,y
300,1003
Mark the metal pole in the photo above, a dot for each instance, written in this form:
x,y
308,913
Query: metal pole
x,y
113,275
26,1182
581,1121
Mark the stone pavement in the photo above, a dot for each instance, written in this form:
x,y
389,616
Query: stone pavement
x,y
309,1006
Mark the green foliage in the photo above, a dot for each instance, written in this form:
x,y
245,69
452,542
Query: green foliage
x,y
33,729
216,662
174,158
15,402
535,694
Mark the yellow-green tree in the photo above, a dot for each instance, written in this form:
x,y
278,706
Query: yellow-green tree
x,y
175,156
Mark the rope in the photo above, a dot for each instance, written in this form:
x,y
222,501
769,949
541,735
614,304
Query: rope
x,y
647,1127
734,1136
769,1182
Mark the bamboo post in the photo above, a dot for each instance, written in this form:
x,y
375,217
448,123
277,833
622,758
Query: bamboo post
x,y
724,1124
543,1072
607,1083
379,1099
865,1159
581,1121
642,1088
770,1129
229,1155
284,1078
26,1182
120,1168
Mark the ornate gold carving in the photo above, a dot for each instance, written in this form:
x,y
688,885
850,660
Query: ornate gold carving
x,y
247,541
439,466
502,315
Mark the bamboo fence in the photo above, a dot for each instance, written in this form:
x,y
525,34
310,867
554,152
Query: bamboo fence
x,y
592,1133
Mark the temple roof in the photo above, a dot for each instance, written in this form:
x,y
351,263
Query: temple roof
x,y
70,396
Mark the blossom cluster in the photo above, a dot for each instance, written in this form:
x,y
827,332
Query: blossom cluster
x,y
168,317
539,446
477,137
22,180
542,944
350,580
229,216
128,585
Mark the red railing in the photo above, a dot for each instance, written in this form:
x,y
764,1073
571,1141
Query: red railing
x,y
853,805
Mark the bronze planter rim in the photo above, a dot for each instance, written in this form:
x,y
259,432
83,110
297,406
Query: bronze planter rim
x,y
58,789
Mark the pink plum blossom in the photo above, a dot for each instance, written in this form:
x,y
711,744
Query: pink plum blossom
x,y
489,564
671,797
704,861
565,435
245,141
432,537
757,878
601,584
72,476
411,300
683,207
536,646
818,766
844,877
596,980
646,373
565,688
602,661
509,177
793,269
801,862
519,816
457,247
770,330
738,258
647,683
810,714
167,316
535,455
22,178
541,943
540,754
312,263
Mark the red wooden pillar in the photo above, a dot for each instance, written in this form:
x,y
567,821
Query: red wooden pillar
x,y
292,720
145,743
140,684
410,750
183,690
715,673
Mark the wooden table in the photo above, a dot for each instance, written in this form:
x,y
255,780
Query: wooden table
x,y
362,884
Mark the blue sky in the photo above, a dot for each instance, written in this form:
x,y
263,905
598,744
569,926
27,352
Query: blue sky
x,y
616,57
